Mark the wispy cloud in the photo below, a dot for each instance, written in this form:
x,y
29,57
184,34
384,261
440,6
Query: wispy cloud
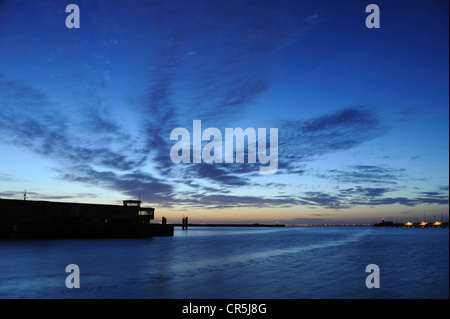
x,y
365,174
5,177
307,139
367,196
134,183
321,199
340,130
28,118
220,201
312,17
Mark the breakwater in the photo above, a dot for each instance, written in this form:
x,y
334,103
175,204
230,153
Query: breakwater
x,y
229,225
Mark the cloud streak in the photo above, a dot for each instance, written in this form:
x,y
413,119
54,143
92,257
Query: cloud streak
x,y
362,196
365,174
343,129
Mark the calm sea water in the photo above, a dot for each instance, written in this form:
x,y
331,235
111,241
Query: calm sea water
x,y
273,263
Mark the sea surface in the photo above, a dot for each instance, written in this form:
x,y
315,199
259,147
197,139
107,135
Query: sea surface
x,y
266,263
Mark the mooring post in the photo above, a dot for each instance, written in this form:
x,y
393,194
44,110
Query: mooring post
x,y
184,223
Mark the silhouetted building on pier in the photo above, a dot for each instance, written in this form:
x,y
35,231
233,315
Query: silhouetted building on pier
x,y
45,219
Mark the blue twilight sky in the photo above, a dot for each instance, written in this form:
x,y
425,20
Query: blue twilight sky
x,y
362,114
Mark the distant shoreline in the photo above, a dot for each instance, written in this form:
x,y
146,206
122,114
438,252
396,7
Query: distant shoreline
x,y
272,225
231,225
